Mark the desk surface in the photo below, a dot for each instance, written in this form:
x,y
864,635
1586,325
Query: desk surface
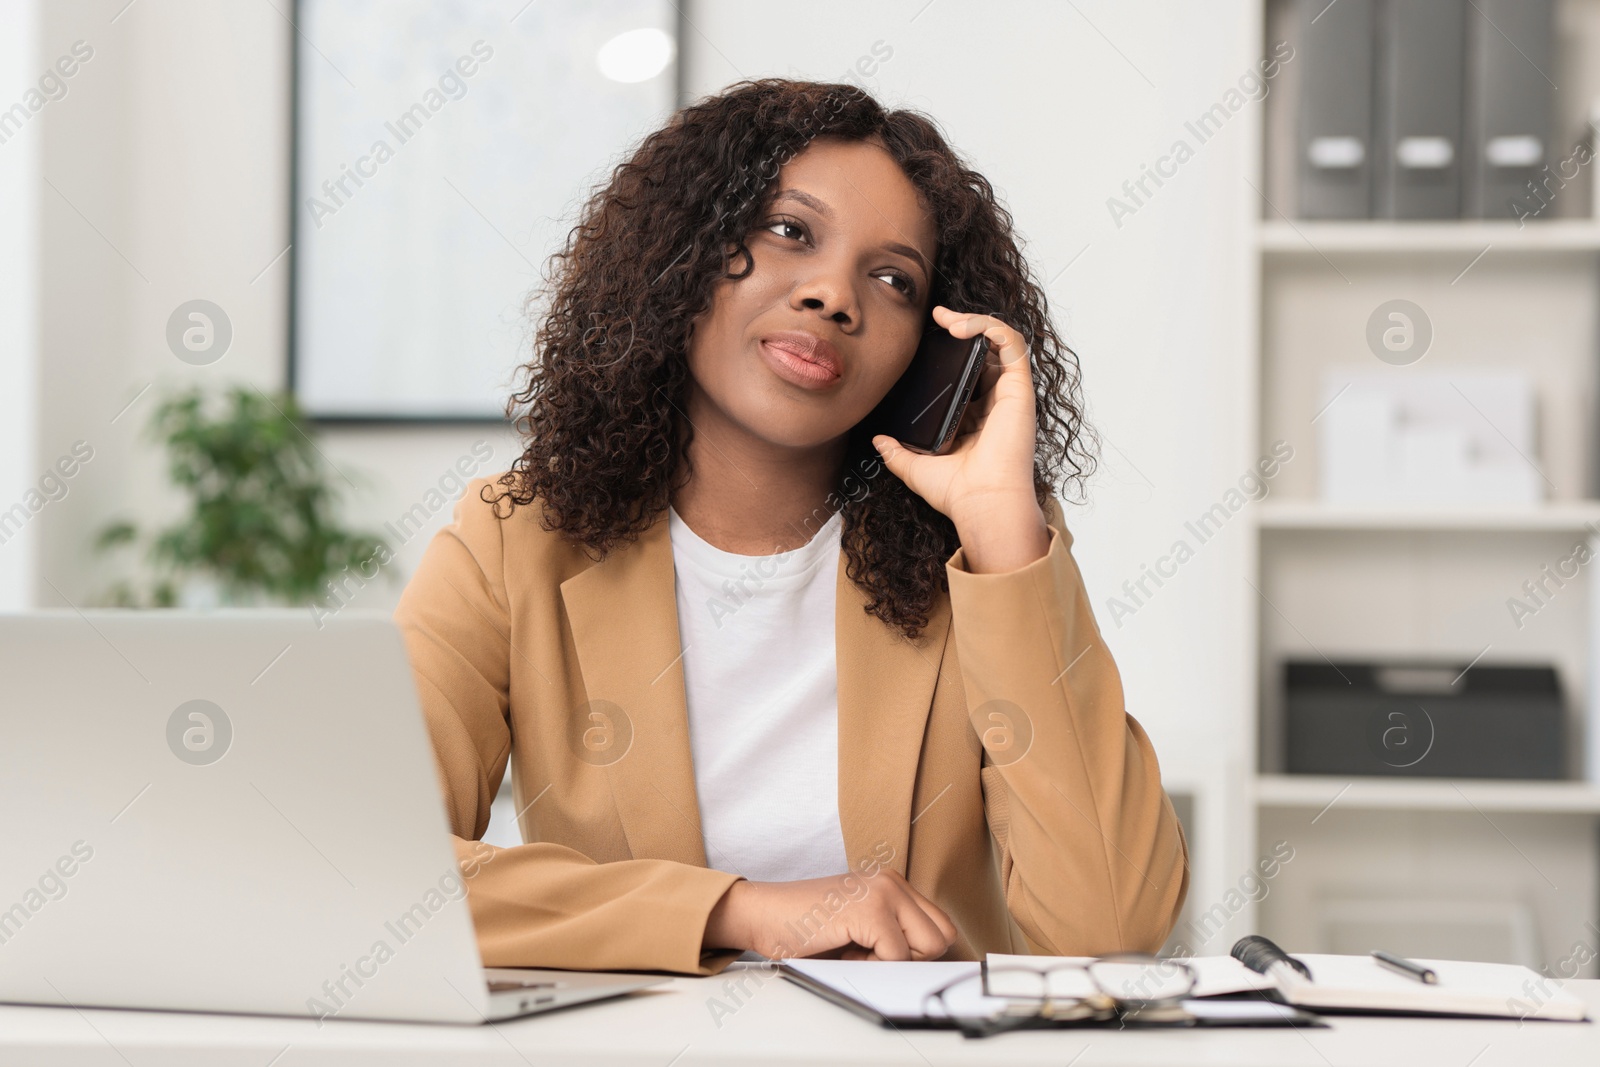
x,y
706,1020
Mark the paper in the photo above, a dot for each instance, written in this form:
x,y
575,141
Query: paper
x,y
1421,438
1238,1012
899,989
1468,988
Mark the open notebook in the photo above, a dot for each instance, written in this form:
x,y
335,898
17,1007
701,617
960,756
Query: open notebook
x,y
1353,984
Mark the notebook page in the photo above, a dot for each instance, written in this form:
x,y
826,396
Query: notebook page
x,y
1501,989
1216,976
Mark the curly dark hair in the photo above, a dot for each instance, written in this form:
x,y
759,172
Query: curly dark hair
x,y
603,402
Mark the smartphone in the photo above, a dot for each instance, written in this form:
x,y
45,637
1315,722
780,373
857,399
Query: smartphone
x,y
923,409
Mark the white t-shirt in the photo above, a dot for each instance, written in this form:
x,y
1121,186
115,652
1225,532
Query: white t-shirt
x,y
762,686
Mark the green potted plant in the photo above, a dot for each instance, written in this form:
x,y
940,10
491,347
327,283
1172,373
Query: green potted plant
x,y
260,528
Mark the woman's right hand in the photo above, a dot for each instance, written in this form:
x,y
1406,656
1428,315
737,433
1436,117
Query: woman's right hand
x,y
849,915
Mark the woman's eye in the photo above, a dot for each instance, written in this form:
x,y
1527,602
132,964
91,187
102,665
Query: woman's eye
x,y
785,223
907,286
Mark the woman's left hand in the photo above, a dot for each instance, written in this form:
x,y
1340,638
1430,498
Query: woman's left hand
x,y
984,484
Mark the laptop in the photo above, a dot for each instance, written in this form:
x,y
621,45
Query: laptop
x,y
236,811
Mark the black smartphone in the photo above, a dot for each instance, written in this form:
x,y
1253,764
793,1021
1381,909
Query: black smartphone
x,y
923,409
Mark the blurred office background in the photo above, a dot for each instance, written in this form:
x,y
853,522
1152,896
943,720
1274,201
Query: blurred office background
x,y
1331,269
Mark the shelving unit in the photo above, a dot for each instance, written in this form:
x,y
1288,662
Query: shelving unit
x,y
1307,238
1561,516
1430,581
1319,794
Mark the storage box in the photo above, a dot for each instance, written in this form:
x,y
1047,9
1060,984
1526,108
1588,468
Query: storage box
x,y
1424,720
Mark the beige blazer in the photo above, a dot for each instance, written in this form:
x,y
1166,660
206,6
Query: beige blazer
x,y
1057,838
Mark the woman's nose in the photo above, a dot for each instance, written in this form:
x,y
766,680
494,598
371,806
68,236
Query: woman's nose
x,y
827,294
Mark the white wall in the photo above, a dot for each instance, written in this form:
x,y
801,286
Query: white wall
x,y
19,295
172,147
173,150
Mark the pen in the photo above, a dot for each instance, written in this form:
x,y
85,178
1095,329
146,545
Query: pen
x,y
1406,967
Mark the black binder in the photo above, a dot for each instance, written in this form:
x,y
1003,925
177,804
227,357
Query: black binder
x,y
1510,55
1335,137
1417,159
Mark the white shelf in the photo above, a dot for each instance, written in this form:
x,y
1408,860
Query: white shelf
x,y
1424,794
1307,238
1572,515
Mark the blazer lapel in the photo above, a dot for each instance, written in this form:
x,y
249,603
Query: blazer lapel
x,y
886,685
624,616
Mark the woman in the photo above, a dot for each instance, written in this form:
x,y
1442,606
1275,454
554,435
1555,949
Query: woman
x,y
769,685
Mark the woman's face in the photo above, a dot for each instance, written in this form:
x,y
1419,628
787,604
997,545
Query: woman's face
x,y
805,345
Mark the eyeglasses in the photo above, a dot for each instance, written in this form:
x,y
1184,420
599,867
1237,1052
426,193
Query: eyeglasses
x,y
1130,987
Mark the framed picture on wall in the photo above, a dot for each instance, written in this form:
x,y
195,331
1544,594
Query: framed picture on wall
x,y
442,151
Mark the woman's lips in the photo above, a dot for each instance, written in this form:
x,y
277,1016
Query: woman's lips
x,y
793,365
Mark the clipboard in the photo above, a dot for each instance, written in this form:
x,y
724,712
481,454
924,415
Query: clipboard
x,y
892,993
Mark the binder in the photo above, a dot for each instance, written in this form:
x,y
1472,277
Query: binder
x,y
1335,139
1419,53
1510,51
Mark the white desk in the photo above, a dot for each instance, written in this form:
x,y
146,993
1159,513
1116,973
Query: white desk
x,y
779,1023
